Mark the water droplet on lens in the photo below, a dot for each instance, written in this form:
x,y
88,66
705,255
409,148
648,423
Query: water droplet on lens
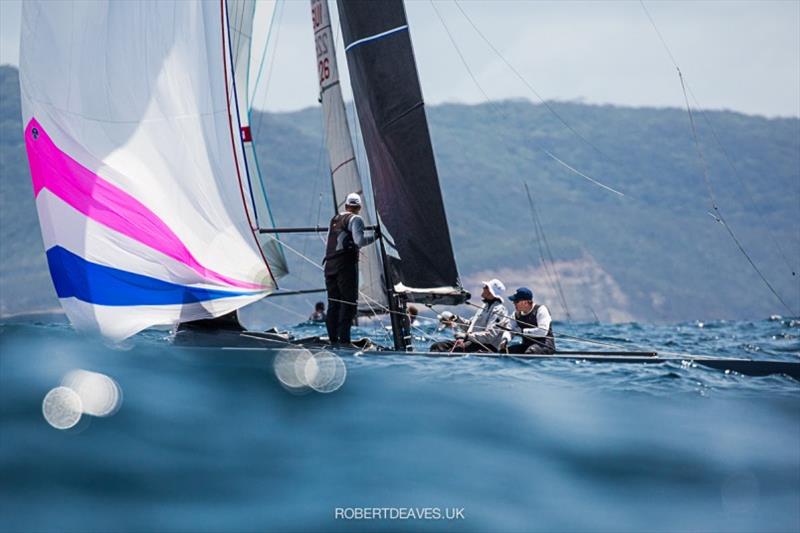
x,y
100,395
62,408
326,372
320,369
285,366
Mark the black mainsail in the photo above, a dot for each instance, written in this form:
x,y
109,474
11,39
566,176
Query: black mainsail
x,y
405,183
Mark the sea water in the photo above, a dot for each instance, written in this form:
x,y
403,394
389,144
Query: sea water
x,y
210,439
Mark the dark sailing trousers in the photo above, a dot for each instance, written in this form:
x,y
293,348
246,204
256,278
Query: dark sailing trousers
x,y
342,286
467,347
543,348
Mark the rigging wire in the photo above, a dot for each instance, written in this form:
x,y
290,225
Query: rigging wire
x,y
743,183
386,310
538,224
226,50
257,129
237,29
547,275
265,69
284,308
603,343
543,259
234,94
530,87
556,285
499,111
717,214
239,16
317,187
272,24
579,173
271,60
366,297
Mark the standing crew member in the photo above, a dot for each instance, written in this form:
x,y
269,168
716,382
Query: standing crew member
x,y
532,321
345,237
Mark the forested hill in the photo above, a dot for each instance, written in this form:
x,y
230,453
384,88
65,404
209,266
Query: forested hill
x,y
652,254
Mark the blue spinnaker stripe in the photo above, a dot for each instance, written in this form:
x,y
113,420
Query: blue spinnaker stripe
x,y
75,277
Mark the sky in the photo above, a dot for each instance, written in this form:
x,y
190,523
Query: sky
x,y
737,55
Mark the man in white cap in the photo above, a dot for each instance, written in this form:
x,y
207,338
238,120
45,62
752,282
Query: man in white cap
x,y
345,237
486,329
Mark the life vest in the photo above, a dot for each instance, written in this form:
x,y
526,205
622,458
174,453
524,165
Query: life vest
x,y
339,230
529,321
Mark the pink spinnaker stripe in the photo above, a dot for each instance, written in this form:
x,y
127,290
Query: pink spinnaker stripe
x,y
106,203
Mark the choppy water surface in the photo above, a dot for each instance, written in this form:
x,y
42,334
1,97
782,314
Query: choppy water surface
x,y
209,439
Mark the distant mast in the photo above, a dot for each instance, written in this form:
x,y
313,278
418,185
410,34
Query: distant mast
x,y
344,170
391,112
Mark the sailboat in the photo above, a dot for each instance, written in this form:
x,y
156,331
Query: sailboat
x,y
415,248
147,185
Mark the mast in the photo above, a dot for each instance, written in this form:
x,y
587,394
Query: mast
x,y
398,315
415,236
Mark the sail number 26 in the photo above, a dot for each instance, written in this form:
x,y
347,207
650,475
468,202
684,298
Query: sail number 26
x,y
323,61
322,38
324,70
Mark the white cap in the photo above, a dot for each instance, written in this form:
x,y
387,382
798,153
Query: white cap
x,y
353,200
446,316
495,286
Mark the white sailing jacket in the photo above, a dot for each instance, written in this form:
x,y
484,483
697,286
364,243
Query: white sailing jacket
x,y
489,324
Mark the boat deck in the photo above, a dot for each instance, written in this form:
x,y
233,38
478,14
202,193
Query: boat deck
x,y
271,341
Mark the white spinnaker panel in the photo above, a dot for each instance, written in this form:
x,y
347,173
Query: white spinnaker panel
x,y
135,94
240,18
344,170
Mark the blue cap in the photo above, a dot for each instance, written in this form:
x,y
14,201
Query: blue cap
x,y
523,293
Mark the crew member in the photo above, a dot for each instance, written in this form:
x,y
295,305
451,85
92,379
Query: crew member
x,y
345,237
413,312
319,313
532,323
486,329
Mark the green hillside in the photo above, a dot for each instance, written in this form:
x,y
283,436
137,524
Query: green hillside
x,y
657,244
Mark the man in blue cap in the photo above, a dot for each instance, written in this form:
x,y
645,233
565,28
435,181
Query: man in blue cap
x,y
532,324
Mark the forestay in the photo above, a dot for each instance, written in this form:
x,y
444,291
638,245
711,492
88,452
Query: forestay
x,y
344,170
391,113
136,160
239,18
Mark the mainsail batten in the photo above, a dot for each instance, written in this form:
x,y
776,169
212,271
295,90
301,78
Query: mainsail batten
x,y
131,160
405,182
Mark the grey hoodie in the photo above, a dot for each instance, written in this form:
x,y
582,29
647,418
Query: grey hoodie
x,y
489,324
